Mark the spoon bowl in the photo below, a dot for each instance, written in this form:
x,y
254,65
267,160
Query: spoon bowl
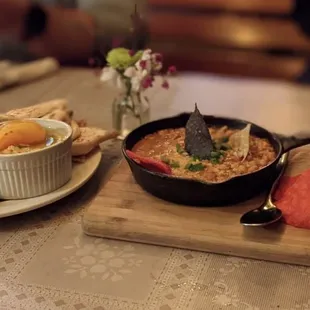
x,y
267,213
262,216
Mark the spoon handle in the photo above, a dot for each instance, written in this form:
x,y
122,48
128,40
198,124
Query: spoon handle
x,y
281,166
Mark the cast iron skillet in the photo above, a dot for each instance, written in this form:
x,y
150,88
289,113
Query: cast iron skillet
x,y
192,192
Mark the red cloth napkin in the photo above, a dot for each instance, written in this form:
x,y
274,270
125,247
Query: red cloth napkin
x,y
293,194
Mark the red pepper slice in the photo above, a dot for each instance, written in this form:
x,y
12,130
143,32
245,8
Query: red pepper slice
x,y
149,163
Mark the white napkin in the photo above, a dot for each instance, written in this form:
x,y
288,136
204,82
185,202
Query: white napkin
x,y
15,74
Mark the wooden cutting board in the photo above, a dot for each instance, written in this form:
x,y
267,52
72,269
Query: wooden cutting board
x,y
122,210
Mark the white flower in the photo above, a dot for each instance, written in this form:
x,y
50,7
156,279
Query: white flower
x,y
144,67
110,76
145,62
136,74
130,72
135,78
156,64
147,54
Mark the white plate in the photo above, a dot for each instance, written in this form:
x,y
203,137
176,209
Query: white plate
x,y
81,173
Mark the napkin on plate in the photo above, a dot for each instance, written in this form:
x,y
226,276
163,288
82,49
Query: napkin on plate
x,y
293,194
14,74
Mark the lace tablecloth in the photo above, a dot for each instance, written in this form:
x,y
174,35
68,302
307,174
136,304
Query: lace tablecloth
x,y
47,263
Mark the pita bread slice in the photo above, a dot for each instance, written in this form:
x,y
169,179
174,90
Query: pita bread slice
x,y
76,131
90,138
59,115
5,118
40,109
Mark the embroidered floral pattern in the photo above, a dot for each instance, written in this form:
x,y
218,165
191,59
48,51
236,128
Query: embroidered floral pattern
x,y
100,260
234,263
225,298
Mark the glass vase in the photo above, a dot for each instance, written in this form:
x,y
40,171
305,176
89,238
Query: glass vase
x,y
129,112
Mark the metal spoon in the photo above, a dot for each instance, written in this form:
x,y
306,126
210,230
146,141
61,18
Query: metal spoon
x,y
267,213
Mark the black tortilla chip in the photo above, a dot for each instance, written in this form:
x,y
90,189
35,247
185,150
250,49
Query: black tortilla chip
x,y
198,141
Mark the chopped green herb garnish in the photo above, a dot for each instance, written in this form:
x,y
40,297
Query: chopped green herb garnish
x,y
215,160
174,164
165,159
171,163
194,167
179,148
216,156
195,158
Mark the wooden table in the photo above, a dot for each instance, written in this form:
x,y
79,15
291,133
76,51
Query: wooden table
x,y
47,263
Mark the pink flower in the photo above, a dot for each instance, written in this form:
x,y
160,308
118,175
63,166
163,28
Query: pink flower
x,y
143,64
165,84
158,57
172,69
147,82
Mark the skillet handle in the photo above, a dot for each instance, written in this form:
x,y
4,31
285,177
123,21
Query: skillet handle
x,y
293,142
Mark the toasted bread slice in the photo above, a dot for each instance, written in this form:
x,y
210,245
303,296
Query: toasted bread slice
x,y
40,109
60,115
90,138
76,131
82,123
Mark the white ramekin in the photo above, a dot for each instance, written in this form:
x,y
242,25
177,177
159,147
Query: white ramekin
x,y
38,172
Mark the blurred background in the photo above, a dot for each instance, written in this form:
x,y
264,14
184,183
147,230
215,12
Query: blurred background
x,y
253,38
